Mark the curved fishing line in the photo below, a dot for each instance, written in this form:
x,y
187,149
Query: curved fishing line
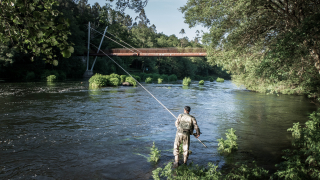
x,y
136,81
124,42
114,41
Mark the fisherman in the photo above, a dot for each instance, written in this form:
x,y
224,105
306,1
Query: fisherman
x,y
185,124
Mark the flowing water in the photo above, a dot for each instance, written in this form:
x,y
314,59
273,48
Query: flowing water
x,y
66,130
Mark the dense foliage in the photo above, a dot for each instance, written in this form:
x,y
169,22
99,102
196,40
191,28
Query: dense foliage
x,y
267,45
58,25
303,162
35,27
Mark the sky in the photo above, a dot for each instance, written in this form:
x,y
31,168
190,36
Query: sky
x,y
164,14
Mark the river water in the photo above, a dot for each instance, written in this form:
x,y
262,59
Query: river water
x,y
65,130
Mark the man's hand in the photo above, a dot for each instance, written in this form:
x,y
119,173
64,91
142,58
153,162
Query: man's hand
x,y
195,135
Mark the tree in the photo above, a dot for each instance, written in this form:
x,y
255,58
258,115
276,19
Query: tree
x,y
34,27
182,32
136,5
263,43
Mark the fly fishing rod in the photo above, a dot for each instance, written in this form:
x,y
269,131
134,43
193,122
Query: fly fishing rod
x,y
142,87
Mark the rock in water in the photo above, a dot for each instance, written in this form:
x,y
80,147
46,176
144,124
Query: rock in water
x,y
126,84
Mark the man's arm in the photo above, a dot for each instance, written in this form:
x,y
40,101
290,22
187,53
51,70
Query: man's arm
x,y
196,127
178,120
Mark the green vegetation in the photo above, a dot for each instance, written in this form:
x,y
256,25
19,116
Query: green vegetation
x,y
160,81
114,81
164,77
131,81
30,76
123,78
59,30
187,172
274,52
154,154
201,82
230,144
220,79
172,77
98,80
51,78
36,27
148,80
211,79
304,161
186,81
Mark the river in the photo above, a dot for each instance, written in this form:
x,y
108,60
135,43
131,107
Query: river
x,y
65,130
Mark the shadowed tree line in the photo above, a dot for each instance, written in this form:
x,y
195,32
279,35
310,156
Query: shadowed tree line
x,y
29,50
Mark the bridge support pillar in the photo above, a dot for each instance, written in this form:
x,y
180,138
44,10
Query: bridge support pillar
x,y
88,74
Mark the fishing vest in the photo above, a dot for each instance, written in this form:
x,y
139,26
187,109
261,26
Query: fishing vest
x,y
185,125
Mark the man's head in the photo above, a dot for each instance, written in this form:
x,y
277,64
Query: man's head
x,y
187,109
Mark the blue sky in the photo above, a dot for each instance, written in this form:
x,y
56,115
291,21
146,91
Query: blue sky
x,y
164,14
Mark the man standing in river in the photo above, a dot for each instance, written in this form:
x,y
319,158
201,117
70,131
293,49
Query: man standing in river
x,y
185,124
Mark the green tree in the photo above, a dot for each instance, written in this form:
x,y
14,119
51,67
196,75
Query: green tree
x,y
35,27
265,44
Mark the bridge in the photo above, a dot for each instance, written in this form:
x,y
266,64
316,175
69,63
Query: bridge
x,y
137,52
153,52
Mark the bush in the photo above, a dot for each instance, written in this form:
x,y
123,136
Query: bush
x,y
246,172
303,162
131,81
154,154
211,79
201,82
51,78
114,81
160,81
123,78
230,143
155,77
164,77
148,80
137,78
187,172
113,75
172,77
62,76
186,81
30,76
143,76
98,80
220,79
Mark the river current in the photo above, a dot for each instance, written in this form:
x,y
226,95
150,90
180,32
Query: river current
x,y
65,130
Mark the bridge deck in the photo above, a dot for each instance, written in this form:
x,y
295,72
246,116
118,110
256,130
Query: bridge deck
x,y
154,52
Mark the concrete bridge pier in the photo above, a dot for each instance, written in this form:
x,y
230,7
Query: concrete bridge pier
x,y
88,74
